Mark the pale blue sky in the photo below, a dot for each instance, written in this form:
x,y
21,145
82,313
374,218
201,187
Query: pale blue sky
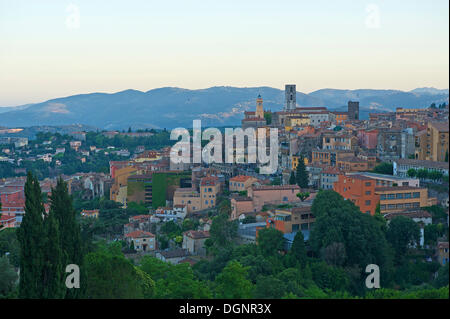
x,y
197,44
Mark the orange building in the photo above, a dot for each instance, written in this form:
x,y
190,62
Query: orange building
x,y
360,190
341,117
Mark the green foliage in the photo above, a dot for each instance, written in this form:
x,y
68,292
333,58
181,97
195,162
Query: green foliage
x,y
340,221
384,168
232,282
298,249
292,180
110,275
301,176
223,233
10,244
8,277
303,196
268,117
270,241
402,233
30,235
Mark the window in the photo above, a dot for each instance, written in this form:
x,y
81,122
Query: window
x,y
382,196
407,195
368,202
416,195
382,207
399,196
391,206
368,183
206,202
391,196
368,192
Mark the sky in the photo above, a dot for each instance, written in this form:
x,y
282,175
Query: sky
x,y
50,48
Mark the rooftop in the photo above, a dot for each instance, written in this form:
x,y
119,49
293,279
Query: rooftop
x,y
139,234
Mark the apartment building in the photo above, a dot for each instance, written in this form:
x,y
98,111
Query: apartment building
x,y
241,183
432,143
403,198
358,189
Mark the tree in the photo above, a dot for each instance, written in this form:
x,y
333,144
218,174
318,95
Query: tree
x,y
232,282
269,287
303,196
270,241
53,282
334,254
223,231
109,275
298,249
8,277
340,221
268,117
301,176
412,172
30,236
61,207
384,168
402,234
292,180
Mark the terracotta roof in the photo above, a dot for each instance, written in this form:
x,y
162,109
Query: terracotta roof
x,y
209,181
275,187
240,178
196,234
139,234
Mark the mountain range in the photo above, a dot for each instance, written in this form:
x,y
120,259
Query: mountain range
x,y
171,107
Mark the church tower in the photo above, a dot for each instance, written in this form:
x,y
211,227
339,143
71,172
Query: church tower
x,y
290,97
259,107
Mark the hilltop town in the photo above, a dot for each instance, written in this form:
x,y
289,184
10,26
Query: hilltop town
x,y
125,189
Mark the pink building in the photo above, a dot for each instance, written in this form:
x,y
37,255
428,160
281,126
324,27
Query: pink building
x,y
241,205
368,139
274,194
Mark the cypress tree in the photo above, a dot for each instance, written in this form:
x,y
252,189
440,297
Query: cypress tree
x,y
292,178
61,207
53,277
31,237
298,249
302,175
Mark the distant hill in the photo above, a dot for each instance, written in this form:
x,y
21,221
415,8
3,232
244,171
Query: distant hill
x,y
171,107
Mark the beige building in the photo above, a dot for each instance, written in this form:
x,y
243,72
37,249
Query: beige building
x,y
118,191
400,198
198,200
143,241
194,241
432,143
241,183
